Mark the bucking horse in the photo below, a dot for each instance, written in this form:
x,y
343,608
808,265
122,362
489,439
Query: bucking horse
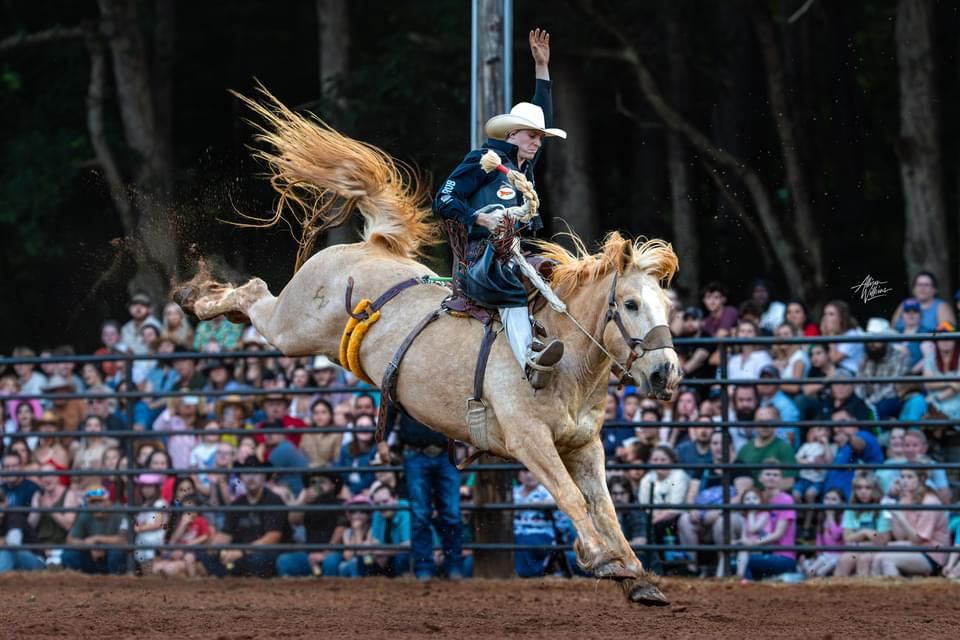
x,y
615,302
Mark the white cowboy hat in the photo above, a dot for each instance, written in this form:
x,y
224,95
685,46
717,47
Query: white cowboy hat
x,y
523,116
879,326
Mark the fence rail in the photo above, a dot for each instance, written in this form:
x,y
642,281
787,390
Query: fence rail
x,y
127,436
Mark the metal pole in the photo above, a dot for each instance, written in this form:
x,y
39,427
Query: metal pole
x,y
131,463
507,55
474,57
725,453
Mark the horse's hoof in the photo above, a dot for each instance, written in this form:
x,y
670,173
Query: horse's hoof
x,y
614,571
642,592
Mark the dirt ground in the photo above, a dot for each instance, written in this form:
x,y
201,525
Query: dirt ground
x,y
76,606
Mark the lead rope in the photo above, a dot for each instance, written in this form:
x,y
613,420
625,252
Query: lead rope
x,y
594,341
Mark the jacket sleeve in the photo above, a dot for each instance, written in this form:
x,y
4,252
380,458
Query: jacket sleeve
x,y
543,98
451,201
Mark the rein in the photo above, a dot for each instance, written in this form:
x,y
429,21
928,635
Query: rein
x,y
657,338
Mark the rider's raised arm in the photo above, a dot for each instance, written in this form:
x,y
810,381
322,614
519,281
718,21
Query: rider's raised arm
x,y
452,200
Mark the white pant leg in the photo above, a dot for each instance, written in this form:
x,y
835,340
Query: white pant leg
x,y
516,324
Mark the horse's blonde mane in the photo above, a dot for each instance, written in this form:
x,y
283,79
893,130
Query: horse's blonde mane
x,y
580,267
322,176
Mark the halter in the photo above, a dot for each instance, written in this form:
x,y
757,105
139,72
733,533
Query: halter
x,y
657,338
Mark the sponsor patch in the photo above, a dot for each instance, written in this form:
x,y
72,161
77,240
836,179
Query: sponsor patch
x,y
506,192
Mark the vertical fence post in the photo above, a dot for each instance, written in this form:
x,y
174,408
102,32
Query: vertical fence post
x,y
725,453
131,463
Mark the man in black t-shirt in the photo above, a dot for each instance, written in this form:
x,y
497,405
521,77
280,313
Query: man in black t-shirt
x,y
319,526
14,531
254,527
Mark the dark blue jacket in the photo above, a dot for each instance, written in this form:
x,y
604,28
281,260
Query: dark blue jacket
x,y
469,188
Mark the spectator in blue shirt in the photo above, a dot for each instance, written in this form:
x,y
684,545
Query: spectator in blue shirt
x,y
772,394
856,444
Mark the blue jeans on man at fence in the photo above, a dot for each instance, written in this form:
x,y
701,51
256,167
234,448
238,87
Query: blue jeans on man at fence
x,y
762,565
433,482
531,563
20,560
115,561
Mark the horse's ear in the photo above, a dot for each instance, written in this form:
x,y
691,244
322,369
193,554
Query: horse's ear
x,y
626,257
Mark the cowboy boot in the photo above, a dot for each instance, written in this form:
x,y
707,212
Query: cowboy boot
x,y
541,363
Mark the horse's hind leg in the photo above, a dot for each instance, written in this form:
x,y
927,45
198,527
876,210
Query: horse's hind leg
x,y
586,466
535,449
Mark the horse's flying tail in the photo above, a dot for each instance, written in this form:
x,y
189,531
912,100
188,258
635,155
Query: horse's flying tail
x,y
321,176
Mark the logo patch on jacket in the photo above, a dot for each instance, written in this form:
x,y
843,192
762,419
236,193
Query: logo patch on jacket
x,y
506,192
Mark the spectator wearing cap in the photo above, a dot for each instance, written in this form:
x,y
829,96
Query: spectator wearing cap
x,y
139,308
49,450
910,321
941,358
219,378
255,528
150,526
842,397
693,358
837,321
721,318
101,525
433,486
275,407
31,380
183,413
15,531
882,361
70,410
933,309
771,394
798,315
176,325
747,364
189,378
855,444
219,330
325,374
772,312
281,452
765,445
320,527
391,525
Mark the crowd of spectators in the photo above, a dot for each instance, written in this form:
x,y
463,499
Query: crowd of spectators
x,y
369,509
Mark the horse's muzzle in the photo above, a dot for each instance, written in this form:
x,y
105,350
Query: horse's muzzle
x,y
664,380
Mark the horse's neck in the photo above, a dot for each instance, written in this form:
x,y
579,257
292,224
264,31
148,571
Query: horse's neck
x,y
589,368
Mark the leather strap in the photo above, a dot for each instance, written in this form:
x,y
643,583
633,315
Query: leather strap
x,y
388,386
384,298
479,374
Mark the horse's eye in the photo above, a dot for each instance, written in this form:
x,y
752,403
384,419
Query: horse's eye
x,y
630,305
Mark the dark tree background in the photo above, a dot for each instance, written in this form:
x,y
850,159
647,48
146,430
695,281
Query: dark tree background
x,y
810,142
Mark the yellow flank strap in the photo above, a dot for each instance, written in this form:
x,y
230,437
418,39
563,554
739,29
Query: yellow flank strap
x,y
352,337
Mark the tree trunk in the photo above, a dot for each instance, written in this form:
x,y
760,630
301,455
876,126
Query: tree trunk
x,y
492,527
918,146
786,250
333,34
570,191
489,64
155,233
781,112
685,237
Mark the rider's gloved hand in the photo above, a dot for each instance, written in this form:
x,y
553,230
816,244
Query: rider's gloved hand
x,y
490,216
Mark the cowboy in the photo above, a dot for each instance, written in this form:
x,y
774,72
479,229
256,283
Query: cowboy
x,y
482,202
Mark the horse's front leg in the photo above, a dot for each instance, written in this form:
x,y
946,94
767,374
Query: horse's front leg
x,y
534,447
586,467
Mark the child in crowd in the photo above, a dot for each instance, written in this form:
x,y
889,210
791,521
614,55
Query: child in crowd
x,y
829,534
755,526
149,525
186,527
863,527
816,451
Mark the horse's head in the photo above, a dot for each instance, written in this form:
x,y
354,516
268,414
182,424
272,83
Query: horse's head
x,y
635,325
637,331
